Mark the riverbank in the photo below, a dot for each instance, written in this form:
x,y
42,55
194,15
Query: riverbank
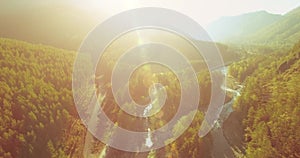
x,y
223,139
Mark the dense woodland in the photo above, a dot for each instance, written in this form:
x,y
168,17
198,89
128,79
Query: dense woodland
x,y
269,107
38,115
36,99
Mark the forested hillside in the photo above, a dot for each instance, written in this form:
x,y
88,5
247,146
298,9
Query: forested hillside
x,y
42,77
259,29
269,105
56,24
39,116
234,28
36,99
285,31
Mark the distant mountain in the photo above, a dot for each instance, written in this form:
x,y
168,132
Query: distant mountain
x,y
285,31
237,27
259,28
61,26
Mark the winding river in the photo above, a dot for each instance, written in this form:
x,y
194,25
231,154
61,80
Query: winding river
x,y
220,145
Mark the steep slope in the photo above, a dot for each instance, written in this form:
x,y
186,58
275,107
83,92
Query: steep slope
x,y
269,107
237,27
285,31
57,25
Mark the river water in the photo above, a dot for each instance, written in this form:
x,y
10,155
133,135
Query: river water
x,y
220,145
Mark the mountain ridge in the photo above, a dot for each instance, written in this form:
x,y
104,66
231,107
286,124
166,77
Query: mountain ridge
x,y
278,31
240,25
286,31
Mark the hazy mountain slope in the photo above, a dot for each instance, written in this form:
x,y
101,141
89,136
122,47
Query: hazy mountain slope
x,y
57,25
237,27
259,28
284,31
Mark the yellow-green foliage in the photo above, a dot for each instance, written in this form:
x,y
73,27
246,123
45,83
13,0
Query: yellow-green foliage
x,y
270,104
35,98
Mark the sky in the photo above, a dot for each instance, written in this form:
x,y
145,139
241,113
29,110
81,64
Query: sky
x,y
202,11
